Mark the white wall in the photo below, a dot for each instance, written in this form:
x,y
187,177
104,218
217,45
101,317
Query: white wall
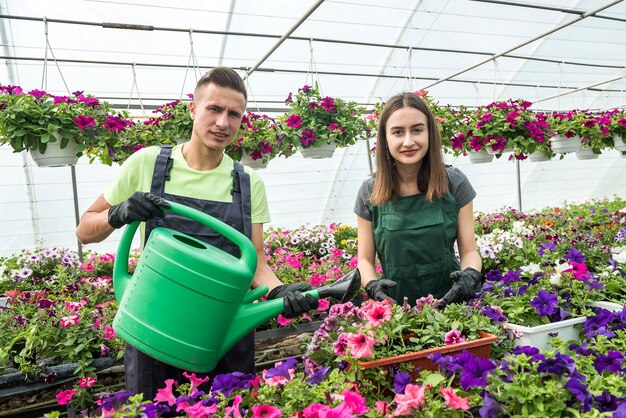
x,y
300,191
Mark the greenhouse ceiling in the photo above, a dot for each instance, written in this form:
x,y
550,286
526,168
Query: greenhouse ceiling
x,y
139,54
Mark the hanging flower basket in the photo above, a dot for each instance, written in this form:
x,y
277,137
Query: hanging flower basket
x,y
538,156
562,144
325,150
246,159
620,145
586,154
55,156
480,347
479,157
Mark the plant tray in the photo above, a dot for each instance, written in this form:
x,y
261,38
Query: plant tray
x,y
480,347
540,335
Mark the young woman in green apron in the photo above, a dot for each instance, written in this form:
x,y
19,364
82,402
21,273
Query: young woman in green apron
x,y
413,211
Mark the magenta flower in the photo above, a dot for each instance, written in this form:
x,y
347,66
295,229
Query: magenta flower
x,y
307,137
68,321
453,337
334,127
306,88
87,382
165,394
83,121
323,304
354,402
65,396
360,345
282,321
137,147
266,411
328,104
109,333
294,121
37,94
341,345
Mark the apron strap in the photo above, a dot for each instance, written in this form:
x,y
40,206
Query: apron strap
x,y
161,174
241,186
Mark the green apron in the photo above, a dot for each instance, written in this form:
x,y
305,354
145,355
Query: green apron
x,y
415,244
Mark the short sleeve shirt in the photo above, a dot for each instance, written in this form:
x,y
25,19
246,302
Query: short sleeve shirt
x,y
215,185
458,185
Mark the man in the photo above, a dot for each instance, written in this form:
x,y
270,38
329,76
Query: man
x,y
197,174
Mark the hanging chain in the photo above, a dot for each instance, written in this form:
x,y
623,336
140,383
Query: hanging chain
x,y
191,60
135,87
313,69
44,76
410,72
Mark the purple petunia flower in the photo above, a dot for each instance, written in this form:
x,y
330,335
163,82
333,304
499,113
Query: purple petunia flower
x,y
575,256
550,246
606,402
545,303
558,365
400,381
512,276
226,383
493,275
579,390
475,372
611,362
282,369
491,407
319,376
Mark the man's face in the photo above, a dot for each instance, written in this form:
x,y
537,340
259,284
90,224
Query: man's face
x,y
216,112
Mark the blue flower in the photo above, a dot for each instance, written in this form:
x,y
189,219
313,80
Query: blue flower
x,y
400,381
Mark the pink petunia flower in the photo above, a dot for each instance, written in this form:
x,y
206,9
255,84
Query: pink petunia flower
x,y
68,321
377,313
266,411
360,345
453,337
195,381
234,409
65,396
294,121
282,321
200,411
87,382
453,400
323,304
83,121
413,397
165,394
109,333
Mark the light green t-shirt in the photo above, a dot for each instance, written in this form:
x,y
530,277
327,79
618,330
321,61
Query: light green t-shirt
x,y
136,175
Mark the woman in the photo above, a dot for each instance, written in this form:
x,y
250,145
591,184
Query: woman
x,y
413,211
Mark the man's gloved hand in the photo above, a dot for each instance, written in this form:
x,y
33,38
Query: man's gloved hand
x,y
140,206
464,284
377,289
294,301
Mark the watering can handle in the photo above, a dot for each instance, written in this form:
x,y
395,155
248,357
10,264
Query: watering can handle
x,y
121,277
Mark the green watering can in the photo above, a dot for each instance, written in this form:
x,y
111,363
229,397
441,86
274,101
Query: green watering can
x,y
188,302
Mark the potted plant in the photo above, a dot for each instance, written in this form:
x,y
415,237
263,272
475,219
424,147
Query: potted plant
x,y
256,143
320,123
595,136
565,131
381,334
617,128
535,302
55,129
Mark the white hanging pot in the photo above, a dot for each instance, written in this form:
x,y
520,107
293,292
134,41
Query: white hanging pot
x,y
479,157
562,144
55,156
538,156
586,154
324,150
619,142
246,159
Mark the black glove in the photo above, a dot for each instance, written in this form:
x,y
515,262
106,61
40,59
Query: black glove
x,y
464,284
140,206
294,301
377,289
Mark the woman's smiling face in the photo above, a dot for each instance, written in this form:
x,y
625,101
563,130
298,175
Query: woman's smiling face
x,y
407,135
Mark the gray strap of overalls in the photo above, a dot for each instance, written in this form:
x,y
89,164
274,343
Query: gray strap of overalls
x,y
241,185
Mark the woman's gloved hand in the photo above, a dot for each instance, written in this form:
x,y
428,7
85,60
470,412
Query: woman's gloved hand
x,y
464,284
295,302
377,289
140,206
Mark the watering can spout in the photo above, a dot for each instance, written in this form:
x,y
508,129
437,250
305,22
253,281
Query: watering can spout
x,y
250,315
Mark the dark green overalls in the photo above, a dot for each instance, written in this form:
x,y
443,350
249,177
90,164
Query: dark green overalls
x,y
415,243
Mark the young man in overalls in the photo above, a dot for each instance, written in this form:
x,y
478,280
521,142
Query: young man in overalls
x,y
196,174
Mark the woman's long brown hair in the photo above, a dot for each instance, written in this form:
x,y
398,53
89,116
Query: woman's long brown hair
x,y
432,178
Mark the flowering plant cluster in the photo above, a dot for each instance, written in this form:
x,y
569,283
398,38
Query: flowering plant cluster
x,y
314,120
381,329
32,120
533,295
257,138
